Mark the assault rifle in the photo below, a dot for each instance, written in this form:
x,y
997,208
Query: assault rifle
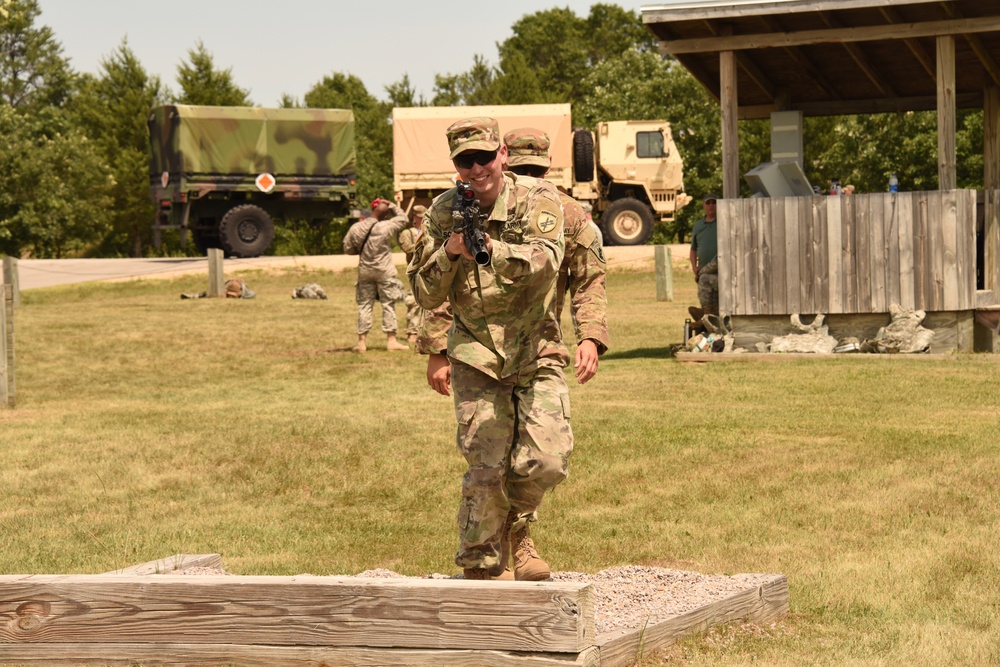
x,y
468,221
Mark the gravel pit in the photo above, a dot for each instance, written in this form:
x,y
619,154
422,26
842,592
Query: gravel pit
x,y
625,597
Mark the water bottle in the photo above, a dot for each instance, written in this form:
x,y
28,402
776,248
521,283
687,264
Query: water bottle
x,y
893,183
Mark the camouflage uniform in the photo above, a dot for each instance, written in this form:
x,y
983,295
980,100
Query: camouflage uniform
x,y
583,267
511,399
377,276
408,242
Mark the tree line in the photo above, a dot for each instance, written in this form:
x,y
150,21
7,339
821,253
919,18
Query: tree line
x,y
74,148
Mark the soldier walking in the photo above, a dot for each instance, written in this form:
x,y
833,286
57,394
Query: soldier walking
x,y
504,346
408,242
371,240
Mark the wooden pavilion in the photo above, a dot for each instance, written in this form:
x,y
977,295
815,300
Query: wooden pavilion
x,y
851,257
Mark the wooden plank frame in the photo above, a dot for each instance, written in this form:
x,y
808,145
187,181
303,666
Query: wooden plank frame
x,y
134,615
7,376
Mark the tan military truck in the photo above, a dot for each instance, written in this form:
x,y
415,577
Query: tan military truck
x,y
629,171
226,173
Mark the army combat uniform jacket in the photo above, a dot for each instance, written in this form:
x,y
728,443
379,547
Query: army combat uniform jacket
x,y
375,261
504,313
583,269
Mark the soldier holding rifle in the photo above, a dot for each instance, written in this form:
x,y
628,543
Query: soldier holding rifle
x,y
507,360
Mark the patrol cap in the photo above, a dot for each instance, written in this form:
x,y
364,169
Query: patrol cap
x,y
527,145
419,209
473,134
587,208
709,197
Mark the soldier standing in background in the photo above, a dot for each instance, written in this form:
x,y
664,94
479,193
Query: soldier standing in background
x,y
371,240
705,260
504,347
408,242
583,268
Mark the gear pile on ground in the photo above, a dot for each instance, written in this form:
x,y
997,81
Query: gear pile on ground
x,y
310,291
904,334
815,337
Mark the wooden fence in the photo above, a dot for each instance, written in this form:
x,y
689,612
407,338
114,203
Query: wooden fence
x,y
849,254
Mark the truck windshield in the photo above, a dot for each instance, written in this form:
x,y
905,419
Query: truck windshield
x,y
649,144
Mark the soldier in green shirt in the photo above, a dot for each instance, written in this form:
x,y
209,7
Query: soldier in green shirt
x,y
705,259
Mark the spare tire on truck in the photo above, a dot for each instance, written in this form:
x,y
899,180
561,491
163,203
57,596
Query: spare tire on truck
x,y
627,221
246,231
583,156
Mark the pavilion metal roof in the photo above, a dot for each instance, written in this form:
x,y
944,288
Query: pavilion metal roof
x,y
828,57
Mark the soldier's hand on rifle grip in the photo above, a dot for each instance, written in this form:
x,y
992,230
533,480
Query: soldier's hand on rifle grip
x,y
455,246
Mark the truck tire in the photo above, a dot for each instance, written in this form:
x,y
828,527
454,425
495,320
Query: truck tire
x,y
583,156
246,231
627,221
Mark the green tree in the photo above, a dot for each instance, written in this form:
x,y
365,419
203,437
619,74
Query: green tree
x,y
373,130
54,200
33,72
201,83
402,94
113,109
555,42
643,86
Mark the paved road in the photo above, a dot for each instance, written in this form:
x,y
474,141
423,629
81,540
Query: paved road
x,y
36,273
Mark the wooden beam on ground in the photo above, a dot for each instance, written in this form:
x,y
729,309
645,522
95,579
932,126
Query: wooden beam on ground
x,y
832,35
729,102
303,611
779,357
761,604
172,564
7,384
946,114
10,277
216,277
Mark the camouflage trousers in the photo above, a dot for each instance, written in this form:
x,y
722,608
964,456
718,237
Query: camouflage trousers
x,y
515,435
708,288
414,314
387,292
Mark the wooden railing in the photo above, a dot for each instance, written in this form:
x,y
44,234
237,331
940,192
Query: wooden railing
x,y
850,254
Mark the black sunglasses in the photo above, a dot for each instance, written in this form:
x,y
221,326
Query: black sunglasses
x,y
482,158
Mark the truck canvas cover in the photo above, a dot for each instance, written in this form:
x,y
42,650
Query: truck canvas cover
x,y
420,147
246,141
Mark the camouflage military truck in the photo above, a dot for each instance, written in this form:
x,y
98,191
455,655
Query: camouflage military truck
x,y
226,173
629,171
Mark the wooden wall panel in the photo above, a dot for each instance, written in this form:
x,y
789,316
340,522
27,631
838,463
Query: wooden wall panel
x,y
854,254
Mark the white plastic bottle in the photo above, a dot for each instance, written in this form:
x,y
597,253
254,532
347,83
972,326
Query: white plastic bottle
x,y
893,183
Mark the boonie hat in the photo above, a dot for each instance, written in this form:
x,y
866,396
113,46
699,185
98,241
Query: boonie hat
x,y
473,134
527,145
709,197
419,209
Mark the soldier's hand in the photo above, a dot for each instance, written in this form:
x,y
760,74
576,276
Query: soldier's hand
x,y
439,374
586,361
696,275
455,246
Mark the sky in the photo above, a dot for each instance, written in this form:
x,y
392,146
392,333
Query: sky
x,y
275,47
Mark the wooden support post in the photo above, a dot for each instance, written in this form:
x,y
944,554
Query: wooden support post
x,y
946,105
991,138
7,346
10,277
730,134
664,274
216,278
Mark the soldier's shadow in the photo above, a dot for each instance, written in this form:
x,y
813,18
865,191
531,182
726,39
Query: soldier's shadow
x,y
667,352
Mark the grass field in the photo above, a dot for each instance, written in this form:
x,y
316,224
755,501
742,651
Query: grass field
x,y
148,425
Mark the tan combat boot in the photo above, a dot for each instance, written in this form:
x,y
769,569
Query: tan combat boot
x,y
528,566
476,574
392,344
501,570
360,347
